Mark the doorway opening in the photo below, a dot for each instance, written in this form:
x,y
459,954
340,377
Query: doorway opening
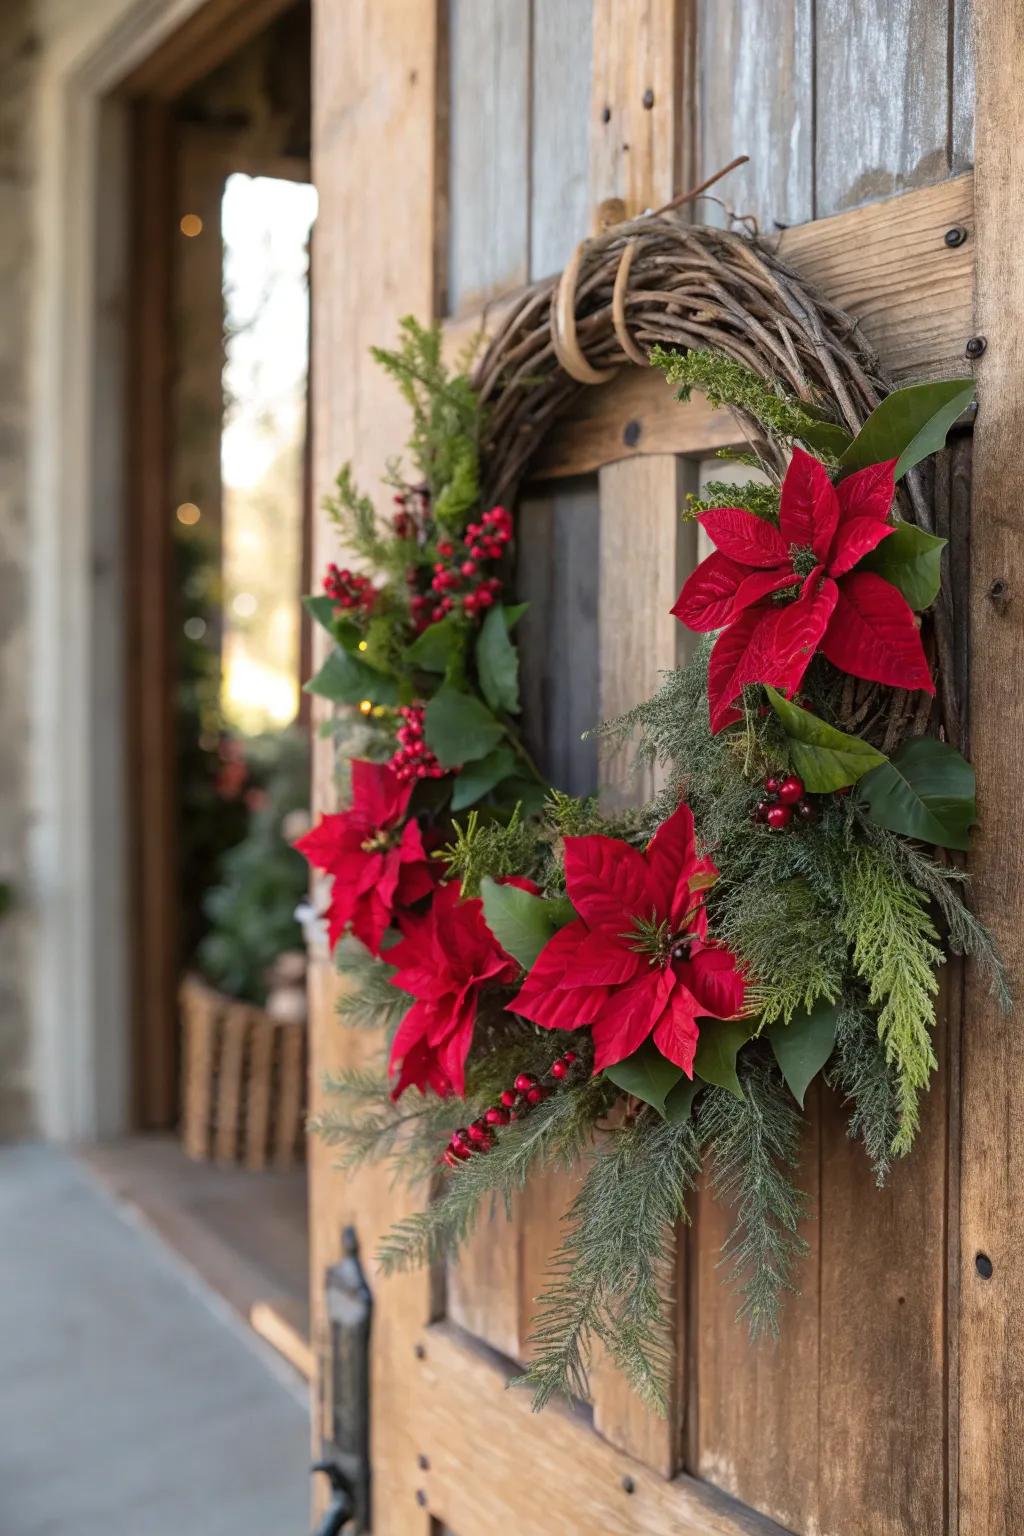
x,y
218,532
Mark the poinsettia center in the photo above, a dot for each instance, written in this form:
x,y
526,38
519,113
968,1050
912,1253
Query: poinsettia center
x,y
658,941
804,559
380,841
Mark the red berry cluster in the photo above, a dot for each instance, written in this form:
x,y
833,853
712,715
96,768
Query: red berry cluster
x,y
349,589
414,759
783,799
458,574
525,1094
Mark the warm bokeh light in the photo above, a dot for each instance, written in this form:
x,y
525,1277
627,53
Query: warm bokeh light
x,y
244,605
188,513
191,225
195,628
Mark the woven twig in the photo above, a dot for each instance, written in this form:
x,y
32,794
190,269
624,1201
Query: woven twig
x,y
654,280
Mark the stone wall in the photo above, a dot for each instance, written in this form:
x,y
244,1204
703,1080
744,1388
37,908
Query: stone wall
x,y
17,72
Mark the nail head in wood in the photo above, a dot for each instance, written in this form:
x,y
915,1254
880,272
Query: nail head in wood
x,y
420,1351
628,1485
631,433
983,1264
606,114
421,1498
999,594
955,236
648,99
423,1462
976,346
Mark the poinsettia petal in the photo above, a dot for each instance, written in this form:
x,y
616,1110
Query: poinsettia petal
x,y
628,1016
607,882
671,857
676,1032
712,977
772,645
320,845
604,961
546,996
755,588
741,536
854,539
873,634
378,793
869,492
709,593
371,918
452,1054
808,507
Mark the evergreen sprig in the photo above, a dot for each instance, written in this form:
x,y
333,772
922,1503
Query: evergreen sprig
x,y
727,382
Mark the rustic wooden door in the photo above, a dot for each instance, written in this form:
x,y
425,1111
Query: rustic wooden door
x,y
459,150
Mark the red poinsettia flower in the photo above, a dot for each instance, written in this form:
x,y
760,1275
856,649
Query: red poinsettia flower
x,y
856,619
376,856
443,960
637,961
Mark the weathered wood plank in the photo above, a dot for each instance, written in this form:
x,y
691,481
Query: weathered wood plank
x,y
882,84
559,142
488,127
757,98
991,1468
557,563
962,87
637,142
483,1282
752,1427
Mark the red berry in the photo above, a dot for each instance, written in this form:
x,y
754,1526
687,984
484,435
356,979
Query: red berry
x,y
496,1116
569,1058
524,1082
778,817
771,786
478,1132
791,790
534,1095
468,567
761,810
559,1069
484,598
508,1098
445,548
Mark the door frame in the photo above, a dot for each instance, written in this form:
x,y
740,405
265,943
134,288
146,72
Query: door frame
x,y
83,995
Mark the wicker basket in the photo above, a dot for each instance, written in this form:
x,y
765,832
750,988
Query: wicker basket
x,y
243,1081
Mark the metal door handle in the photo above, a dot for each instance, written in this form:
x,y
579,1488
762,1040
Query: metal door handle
x,y
343,1502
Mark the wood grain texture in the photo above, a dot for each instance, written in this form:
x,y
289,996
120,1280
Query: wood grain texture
x,y
962,87
757,98
883,88
483,1282
991,1390
375,126
559,142
488,128
570,1478
636,125
646,550
557,563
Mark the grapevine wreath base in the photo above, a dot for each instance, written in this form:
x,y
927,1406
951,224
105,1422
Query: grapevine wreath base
x,y
651,992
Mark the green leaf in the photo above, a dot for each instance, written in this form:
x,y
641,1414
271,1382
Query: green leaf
x,y
320,608
803,1046
825,758
518,920
433,648
826,437
344,679
679,1102
513,613
926,791
717,1049
561,910
459,729
646,1075
476,779
909,424
911,559
497,662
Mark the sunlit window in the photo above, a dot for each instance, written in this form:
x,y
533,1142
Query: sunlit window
x,y
266,225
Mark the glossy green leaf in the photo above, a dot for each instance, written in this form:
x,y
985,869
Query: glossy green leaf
x,y
434,647
824,757
679,1102
561,910
459,728
925,791
646,1075
320,608
826,437
911,559
518,919
519,791
803,1046
513,613
344,679
717,1049
497,662
909,424
479,778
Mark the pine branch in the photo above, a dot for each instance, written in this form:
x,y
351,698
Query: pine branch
x,y
753,1142
609,1277
860,1072
555,1132
369,1001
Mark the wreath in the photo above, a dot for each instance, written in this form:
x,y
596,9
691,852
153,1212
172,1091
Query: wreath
x,y
651,992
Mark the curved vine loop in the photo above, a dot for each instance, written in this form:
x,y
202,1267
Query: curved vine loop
x,y
655,280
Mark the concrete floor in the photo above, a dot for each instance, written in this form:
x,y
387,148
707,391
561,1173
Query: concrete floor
x,y
132,1403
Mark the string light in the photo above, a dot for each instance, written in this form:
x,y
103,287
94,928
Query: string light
x,y
191,225
188,513
366,705
362,645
